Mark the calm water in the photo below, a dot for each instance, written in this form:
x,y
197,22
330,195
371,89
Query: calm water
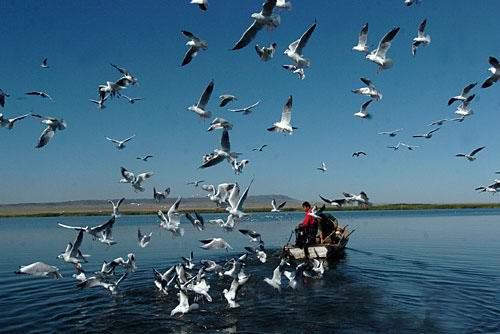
x,y
425,272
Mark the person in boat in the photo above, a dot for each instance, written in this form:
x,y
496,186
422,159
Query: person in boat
x,y
327,226
307,230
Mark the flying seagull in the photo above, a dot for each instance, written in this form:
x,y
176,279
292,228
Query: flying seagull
x,y
322,167
72,254
379,55
10,122
283,4
200,106
120,144
224,99
143,239
421,39
464,109
358,153
246,110
439,122
41,94
220,123
265,53
265,18
39,269
195,44
116,206
144,157
220,154
286,117
334,202
370,91
464,94
254,236
495,73
53,124
471,156
100,102
171,222
235,207
197,221
127,77
239,165
202,4
260,148
158,195
276,207
363,111
427,135
195,183
362,40
294,51
132,100
492,188
44,63
393,133
215,243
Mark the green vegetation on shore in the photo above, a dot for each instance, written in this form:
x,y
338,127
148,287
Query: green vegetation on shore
x,y
47,212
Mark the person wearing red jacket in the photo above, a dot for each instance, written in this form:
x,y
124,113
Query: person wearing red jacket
x,y
306,231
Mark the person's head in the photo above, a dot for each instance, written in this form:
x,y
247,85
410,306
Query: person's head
x,y
306,206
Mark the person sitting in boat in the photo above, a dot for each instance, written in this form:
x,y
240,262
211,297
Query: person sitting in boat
x,y
307,230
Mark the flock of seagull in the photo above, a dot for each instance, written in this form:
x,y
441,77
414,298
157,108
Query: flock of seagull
x,y
190,279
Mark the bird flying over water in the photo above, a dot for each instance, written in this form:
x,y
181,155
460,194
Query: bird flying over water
x,y
276,207
286,117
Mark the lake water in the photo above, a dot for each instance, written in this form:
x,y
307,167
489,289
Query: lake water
x,y
419,272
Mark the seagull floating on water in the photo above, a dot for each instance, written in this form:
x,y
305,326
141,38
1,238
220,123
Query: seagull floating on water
x,y
39,269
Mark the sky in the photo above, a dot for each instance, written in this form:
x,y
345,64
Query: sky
x,y
80,40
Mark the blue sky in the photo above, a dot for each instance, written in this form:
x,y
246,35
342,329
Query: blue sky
x,y
81,39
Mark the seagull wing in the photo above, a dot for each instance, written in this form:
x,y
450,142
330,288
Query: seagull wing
x,y
385,42
363,35
267,7
468,88
78,228
281,205
224,142
126,174
128,139
286,114
421,27
190,54
113,140
366,81
243,197
213,161
202,103
365,105
45,137
233,196
247,36
305,38
476,151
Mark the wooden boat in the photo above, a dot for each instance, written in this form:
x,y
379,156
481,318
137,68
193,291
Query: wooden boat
x,y
326,250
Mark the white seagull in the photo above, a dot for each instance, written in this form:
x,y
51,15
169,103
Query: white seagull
x,y
220,154
138,181
379,55
195,183
363,111
224,99
370,91
471,156
143,239
158,195
171,222
266,53
265,18
197,221
202,4
236,202
495,73
120,144
10,122
40,93
393,133
116,206
215,243
220,123
45,63
322,167
200,106
294,50
246,110
239,165
39,269
195,44
72,254
464,94
464,108
421,39
286,117
275,207
427,135
283,4
362,40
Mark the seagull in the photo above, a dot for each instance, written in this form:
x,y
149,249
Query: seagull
x,y
127,77
275,281
471,156
464,94
116,212
144,157
275,207
198,222
225,99
72,254
421,39
259,252
393,133
409,147
171,222
3,95
100,102
378,56
101,232
246,110
40,93
195,44
362,40
143,239
44,63
211,266
260,148
10,122
492,188
215,243
322,167
158,195
53,124
286,117
199,107
235,207
188,262
458,119
363,111
283,4
254,236
265,18
163,281
395,148
221,154
120,144
334,202
229,224
230,294
128,177
202,4
195,183
39,269
439,122
132,100
220,123
138,181
370,91
362,198
239,165
98,281
464,109
109,89
294,50
408,3
495,73
266,53
358,153
220,194
296,70
427,135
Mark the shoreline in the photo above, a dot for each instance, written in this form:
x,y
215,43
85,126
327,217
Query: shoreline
x,y
69,211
